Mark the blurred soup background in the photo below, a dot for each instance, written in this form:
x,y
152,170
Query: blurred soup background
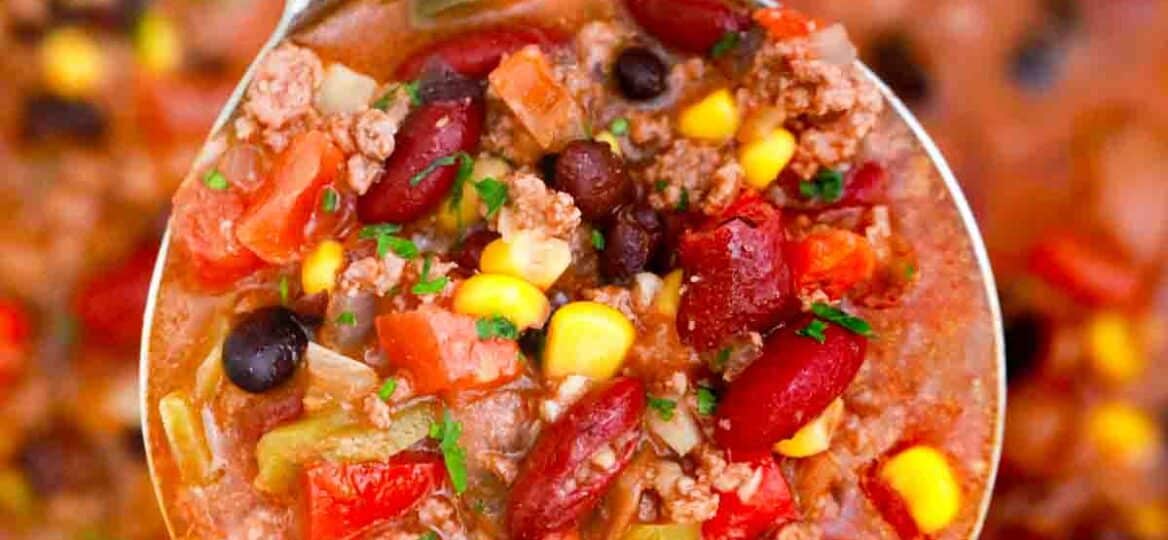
x,y
1053,114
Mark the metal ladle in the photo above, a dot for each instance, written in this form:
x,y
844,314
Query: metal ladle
x,y
945,235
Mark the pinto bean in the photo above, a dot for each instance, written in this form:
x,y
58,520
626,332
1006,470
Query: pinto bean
x,y
594,176
559,482
432,132
693,26
793,381
474,54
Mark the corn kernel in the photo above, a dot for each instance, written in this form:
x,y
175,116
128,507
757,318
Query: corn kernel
x,y
157,42
538,260
1115,355
715,118
925,481
487,295
16,496
670,295
1149,520
319,271
815,436
587,338
764,159
454,219
72,63
1123,433
608,138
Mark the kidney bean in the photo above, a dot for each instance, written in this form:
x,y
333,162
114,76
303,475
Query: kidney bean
x,y
632,241
432,132
736,277
468,253
865,184
693,26
557,483
474,54
791,383
594,176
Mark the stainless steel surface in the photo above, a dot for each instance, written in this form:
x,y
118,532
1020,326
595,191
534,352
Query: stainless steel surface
x,y
300,12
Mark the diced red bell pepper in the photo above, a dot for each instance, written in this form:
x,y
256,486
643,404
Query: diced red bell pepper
x,y
1082,269
832,260
442,351
783,23
343,499
474,54
736,277
217,258
766,507
274,225
111,303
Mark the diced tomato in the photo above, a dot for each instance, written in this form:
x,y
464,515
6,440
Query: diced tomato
x,y
273,226
15,329
111,303
526,82
832,260
201,228
783,23
442,351
343,499
1083,269
767,507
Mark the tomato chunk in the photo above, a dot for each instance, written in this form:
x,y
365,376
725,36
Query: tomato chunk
x,y
442,351
832,260
110,304
784,23
273,226
1081,268
767,507
217,258
343,499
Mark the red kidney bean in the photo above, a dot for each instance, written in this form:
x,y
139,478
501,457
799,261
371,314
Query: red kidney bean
x,y
736,277
558,484
594,176
693,26
432,132
631,242
474,54
471,249
865,184
791,383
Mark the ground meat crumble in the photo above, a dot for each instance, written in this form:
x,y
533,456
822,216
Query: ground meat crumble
x,y
531,206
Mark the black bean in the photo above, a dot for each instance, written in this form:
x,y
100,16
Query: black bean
x,y
60,458
264,349
641,74
547,167
898,63
1036,63
439,82
594,177
531,342
1025,335
631,242
47,116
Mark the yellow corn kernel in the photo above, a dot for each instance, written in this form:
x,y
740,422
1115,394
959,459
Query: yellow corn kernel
x,y
319,271
16,496
538,260
715,118
764,159
157,42
669,297
486,295
587,338
923,478
1123,433
72,63
608,138
1114,352
815,436
1149,520
454,219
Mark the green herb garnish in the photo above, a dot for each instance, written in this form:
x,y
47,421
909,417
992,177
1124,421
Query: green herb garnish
x,y
444,161
597,240
413,89
707,401
728,42
347,318
660,185
493,193
827,186
386,236
814,330
330,200
430,535
447,433
215,180
683,202
284,287
465,169
387,389
852,323
619,127
496,327
425,285
719,362
663,406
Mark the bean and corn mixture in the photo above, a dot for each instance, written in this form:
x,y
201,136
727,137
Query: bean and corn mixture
x,y
622,270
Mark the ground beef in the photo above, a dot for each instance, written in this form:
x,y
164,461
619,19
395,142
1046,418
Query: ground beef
x,y
505,135
283,86
721,474
370,274
375,129
567,391
831,107
687,173
531,206
618,298
362,172
650,130
438,514
683,498
799,531
497,429
339,128
724,187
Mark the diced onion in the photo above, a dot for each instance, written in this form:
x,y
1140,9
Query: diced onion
x,y
344,91
335,378
184,434
680,432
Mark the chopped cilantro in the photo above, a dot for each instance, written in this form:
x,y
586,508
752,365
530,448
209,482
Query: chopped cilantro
x,y
728,42
479,506
720,361
910,270
382,102
330,200
425,285
664,407
215,180
827,186
814,330
447,433
660,185
683,202
496,327
373,231
387,240
852,323
462,158
707,401
387,388
284,287
597,240
413,88
430,535
465,169
493,193
619,127
347,318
